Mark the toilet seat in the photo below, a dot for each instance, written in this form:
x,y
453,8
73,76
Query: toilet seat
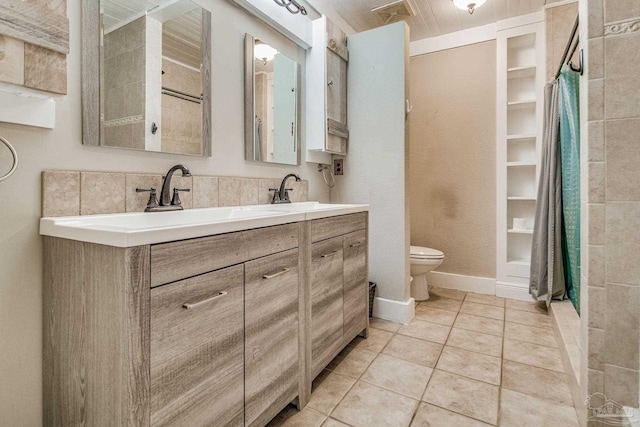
x,y
421,252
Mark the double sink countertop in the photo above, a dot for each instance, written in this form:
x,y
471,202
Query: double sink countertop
x,y
144,228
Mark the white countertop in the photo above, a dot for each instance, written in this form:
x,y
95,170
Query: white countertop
x,y
144,228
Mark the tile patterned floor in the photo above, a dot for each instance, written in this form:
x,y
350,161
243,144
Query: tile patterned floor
x,y
465,360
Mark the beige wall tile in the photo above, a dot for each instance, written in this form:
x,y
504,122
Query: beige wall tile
x,y
596,141
596,182
45,69
137,202
596,18
229,191
597,307
205,192
622,98
619,52
623,242
102,193
623,152
595,63
60,193
264,195
596,349
622,338
596,99
596,265
299,191
249,189
595,379
596,224
619,10
11,60
621,385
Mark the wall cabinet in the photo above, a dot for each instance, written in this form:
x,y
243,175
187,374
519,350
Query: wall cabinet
x,y
221,330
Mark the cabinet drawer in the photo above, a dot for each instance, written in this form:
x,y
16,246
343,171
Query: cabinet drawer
x,y
326,301
326,228
271,335
176,260
356,284
197,350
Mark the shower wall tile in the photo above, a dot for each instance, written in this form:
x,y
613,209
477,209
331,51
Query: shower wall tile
x,y
60,193
623,242
596,265
596,188
618,10
229,191
622,154
621,385
622,98
622,337
596,141
102,192
596,224
595,64
205,192
596,18
137,202
596,349
249,189
597,305
596,99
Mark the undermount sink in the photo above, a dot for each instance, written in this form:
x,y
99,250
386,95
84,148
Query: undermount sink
x,y
140,228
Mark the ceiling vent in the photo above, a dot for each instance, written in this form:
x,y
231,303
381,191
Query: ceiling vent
x,y
394,11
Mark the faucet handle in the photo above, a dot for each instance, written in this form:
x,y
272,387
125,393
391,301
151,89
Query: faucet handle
x,y
175,201
153,200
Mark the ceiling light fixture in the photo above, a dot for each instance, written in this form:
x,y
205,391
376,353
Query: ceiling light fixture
x,y
469,5
264,52
292,6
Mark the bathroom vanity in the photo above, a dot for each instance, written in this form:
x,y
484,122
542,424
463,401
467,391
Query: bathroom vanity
x,y
220,316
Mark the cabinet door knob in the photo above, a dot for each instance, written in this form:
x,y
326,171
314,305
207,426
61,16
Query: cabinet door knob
x,y
356,244
279,273
190,306
329,254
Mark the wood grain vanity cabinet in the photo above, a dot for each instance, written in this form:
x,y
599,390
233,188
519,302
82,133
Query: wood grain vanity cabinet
x,y
213,331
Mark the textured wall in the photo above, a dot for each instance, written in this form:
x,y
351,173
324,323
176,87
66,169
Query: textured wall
x,y
453,157
559,21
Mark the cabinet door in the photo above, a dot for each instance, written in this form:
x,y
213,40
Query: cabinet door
x,y
337,58
326,301
356,286
197,350
271,335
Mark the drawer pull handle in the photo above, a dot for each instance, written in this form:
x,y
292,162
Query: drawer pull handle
x,y
356,244
279,273
190,306
329,254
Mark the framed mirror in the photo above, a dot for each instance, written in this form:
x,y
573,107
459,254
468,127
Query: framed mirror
x,y
146,79
272,104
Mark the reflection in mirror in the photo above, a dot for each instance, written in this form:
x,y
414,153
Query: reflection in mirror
x,y
154,75
272,105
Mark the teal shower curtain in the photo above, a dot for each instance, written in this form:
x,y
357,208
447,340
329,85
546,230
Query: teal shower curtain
x,y
569,82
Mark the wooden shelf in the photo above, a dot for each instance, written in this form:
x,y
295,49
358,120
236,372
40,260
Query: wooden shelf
x,y
517,164
515,231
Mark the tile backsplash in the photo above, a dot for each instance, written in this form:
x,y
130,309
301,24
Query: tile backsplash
x,y
66,193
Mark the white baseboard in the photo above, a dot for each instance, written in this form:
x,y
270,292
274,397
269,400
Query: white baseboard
x,y
508,290
395,311
479,285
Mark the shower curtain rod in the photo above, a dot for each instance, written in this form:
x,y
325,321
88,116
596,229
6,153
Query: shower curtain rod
x,y
566,57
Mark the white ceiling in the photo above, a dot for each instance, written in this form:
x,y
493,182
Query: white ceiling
x,y
436,17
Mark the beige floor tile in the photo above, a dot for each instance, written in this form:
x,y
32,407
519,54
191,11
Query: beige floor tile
x,y
479,324
435,315
414,350
470,364
447,293
533,354
528,318
522,410
475,341
369,406
385,325
352,362
442,303
465,396
485,299
535,381
533,307
291,417
328,389
482,310
375,342
426,331
541,336
401,376
334,423
432,416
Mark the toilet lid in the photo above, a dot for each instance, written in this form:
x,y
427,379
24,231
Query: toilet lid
x,y
425,253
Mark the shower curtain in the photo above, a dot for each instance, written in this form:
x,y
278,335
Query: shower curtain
x,y
547,267
570,155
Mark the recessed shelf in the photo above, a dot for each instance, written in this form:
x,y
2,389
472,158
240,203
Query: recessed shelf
x,y
521,136
521,198
519,72
517,231
517,164
523,262
523,102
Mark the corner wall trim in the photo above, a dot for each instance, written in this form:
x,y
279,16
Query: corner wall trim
x,y
395,311
453,40
479,285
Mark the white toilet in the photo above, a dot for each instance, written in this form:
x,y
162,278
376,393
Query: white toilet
x,y
423,260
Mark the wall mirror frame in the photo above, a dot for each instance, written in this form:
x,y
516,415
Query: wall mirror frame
x,y
93,129
274,139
